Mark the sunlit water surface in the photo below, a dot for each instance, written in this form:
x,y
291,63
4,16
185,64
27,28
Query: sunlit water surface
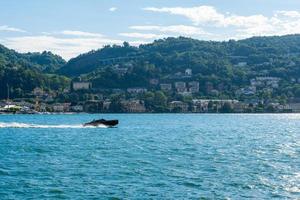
x,y
149,156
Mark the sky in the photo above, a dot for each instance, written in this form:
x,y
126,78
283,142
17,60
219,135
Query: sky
x,y
72,27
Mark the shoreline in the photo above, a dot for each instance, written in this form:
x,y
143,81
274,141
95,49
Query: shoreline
x,y
146,113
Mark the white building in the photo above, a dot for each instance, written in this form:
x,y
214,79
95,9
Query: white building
x,y
82,86
295,107
106,105
181,106
180,87
188,72
121,71
61,107
77,108
242,64
251,90
134,106
136,90
199,106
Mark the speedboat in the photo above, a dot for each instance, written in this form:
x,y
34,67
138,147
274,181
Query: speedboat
x,y
101,122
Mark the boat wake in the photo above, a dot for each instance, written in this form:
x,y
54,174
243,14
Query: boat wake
x,y
61,126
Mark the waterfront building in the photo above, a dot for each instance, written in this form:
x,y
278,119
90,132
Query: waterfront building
x,y
178,106
294,107
61,107
199,106
133,106
77,108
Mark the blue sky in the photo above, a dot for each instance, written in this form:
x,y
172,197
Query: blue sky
x,y
68,27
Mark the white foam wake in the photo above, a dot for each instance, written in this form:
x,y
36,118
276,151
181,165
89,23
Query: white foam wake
x,y
23,125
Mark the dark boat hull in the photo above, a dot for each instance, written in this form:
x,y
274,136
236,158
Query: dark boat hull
x,y
101,122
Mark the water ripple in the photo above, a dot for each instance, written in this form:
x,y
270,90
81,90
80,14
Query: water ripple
x,y
151,157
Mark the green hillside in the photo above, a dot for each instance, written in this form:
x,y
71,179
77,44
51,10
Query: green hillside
x,y
23,72
224,67
231,64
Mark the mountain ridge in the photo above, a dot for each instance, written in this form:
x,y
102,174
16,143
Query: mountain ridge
x,y
21,73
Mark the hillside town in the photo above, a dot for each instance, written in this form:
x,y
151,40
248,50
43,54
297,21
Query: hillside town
x,y
178,93
178,75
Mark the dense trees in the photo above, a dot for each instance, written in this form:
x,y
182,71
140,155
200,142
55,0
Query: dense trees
x,y
226,66
21,73
263,56
45,61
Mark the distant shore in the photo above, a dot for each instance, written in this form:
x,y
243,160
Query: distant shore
x,y
85,113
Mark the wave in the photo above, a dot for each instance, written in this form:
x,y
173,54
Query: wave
x,y
42,126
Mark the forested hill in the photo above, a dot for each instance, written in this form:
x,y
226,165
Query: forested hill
x,y
45,61
23,72
203,57
228,66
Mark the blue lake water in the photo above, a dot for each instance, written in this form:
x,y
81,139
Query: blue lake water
x,y
150,156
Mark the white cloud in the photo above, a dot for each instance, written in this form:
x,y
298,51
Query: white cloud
x,y
80,33
174,29
280,23
113,9
66,47
72,33
208,15
66,43
142,35
199,15
11,29
292,14
208,23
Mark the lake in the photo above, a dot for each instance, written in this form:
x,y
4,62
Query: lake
x,y
150,156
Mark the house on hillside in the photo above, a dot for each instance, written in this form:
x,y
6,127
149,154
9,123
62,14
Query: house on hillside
x,y
193,87
272,82
251,90
166,87
81,86
154,81
38,92
120,70
136,90
180,87
209,87
241,64
188,72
